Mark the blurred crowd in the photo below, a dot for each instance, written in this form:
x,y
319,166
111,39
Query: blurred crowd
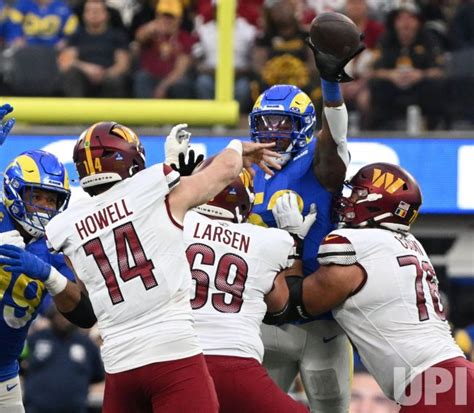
x,y
419,53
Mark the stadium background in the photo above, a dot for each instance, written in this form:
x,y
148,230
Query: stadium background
x,y
441,161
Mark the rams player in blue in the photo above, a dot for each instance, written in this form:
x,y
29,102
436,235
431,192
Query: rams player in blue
x,y
313,172
35,188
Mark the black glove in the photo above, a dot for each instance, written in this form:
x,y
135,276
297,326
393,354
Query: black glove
x,y
331,68
186,169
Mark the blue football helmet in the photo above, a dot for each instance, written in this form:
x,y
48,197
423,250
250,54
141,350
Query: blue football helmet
x,y
283,114
29,171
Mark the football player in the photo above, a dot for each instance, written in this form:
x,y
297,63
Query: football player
x,y
35,188
378,281
235,266
5,127
125,243
314,170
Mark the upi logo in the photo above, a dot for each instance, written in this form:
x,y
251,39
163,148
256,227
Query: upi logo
x,y
435,381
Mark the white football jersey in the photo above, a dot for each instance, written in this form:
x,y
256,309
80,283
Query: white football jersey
x,y
126,248
396,319
233,268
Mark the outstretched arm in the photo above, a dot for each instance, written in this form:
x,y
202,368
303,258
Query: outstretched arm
x,y
330,286
332,156
202,186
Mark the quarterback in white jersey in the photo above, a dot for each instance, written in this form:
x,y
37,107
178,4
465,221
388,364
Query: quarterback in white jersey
x,y
125,244
383,290
234,266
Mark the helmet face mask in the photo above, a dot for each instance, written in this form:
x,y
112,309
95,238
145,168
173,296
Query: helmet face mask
x,y
382,195
285,115
107,153
35,189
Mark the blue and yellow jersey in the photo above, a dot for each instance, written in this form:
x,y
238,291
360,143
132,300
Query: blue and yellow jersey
x,y
41,24
20,300
297,176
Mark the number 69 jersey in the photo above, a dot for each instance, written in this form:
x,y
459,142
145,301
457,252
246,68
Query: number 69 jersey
x,y
130,254
233,267
395,319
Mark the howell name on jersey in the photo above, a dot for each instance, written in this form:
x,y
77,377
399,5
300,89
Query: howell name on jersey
x,y
102,218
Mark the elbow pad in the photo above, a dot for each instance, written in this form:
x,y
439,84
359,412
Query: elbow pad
x,y
83,315
297,309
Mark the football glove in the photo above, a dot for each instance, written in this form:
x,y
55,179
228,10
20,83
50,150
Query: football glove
x,y
5,127
176,142
12,237
289,218
20,261
331,68
186,169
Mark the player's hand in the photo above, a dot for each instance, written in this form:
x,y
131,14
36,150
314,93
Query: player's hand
x,y
12,237
261,155
186,169
289,218
176,142
5,127
331,68
20,261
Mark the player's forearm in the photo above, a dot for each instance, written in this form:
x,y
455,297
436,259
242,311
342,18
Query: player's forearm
x,y
68,298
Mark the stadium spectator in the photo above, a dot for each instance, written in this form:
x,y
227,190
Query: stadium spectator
x,y
205,51
96,61
164,56
62,362
356,93
368,397
280,55
41,23
408,70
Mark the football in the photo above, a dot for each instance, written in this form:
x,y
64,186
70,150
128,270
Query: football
x,y
334,34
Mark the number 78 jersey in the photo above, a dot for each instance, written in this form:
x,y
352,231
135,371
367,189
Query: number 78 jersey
x,y
395,319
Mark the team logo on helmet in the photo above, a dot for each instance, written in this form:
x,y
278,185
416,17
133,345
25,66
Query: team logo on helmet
x,y
382,195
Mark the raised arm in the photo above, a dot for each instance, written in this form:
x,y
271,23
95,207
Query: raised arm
x,y
202,186
332,156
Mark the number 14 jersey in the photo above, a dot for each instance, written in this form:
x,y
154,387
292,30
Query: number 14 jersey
x,y
396,319
130,254
233,268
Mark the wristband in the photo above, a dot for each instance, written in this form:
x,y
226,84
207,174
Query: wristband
x,y
331,91
56,282
236,145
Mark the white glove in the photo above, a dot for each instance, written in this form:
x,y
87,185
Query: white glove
x,y
176,142
12,237
289,218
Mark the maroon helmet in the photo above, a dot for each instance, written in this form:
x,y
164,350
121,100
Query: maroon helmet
x,y
234,203
107,152
382,195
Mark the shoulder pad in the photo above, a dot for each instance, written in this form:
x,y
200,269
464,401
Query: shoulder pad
x,y
336,249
